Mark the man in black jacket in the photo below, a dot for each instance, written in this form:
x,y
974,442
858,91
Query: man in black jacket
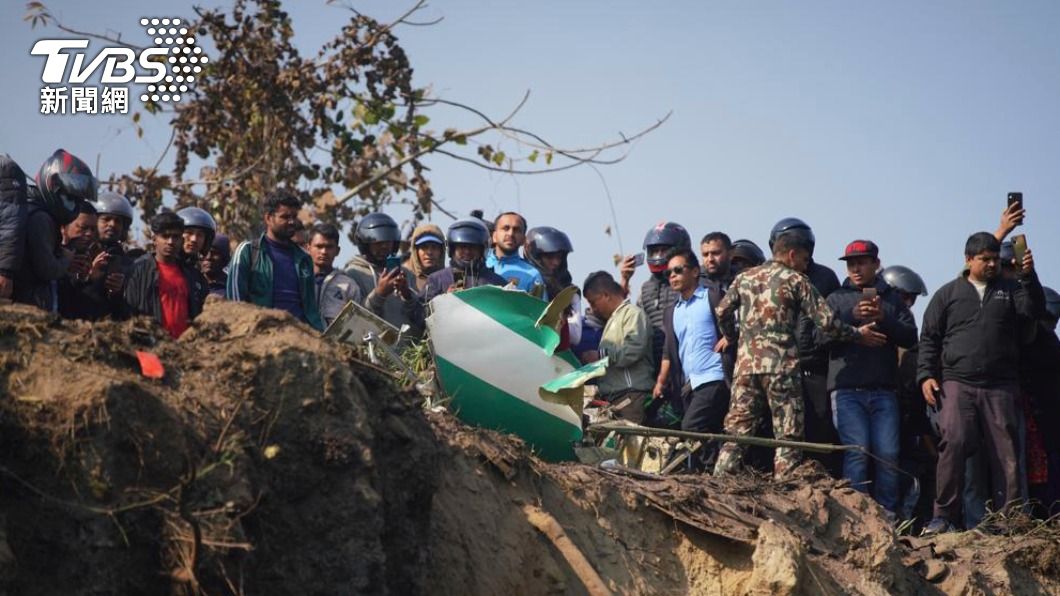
x,y
12,222
161,284
862,379
973,329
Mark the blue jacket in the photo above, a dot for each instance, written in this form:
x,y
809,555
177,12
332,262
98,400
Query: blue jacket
x,y
515,267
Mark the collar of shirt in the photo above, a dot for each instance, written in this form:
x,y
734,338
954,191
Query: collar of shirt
x,y
699,292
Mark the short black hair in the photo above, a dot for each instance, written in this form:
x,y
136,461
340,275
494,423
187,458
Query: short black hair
x,y
711,237
167,221
786,242
690,257
601,282
981,242
326,230
86,208
497,219
280,198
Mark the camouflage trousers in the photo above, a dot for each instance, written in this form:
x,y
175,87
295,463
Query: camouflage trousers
x,y
751,394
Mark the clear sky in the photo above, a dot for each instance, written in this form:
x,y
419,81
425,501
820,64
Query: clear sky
x,y
902,122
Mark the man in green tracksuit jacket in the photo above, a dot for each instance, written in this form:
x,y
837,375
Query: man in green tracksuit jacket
x,y
272,271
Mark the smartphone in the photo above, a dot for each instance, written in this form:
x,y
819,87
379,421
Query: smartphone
x,y
458,278
1015,197
869,293
392,262
638,259
1019,248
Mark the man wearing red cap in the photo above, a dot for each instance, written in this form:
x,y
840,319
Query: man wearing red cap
x,y
862,379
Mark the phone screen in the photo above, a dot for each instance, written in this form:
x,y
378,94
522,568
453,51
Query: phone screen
x,y
393,262
638,259
869,293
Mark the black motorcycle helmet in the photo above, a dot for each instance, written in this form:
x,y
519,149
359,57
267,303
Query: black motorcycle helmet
x,y
745,251
1052,304
377,227
467,231
793,225
668,234
546,239
195,217
905,280
62,182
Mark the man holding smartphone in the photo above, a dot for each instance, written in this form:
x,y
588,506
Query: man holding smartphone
x,y
969,366
862,379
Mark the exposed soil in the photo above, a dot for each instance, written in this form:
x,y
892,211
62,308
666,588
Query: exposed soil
x,y
269,460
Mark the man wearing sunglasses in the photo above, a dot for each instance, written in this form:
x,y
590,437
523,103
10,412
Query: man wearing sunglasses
x,y
770,300
691,366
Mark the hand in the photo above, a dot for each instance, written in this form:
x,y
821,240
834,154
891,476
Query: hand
x,y
722,345
453,288
401,286
7,286
868,310
99,266
114,283
867,336
1027,267
627,268
79,266
930,388
1011,217
385,285
657,391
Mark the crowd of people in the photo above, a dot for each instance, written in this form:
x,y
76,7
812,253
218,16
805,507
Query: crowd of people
x,y
949,421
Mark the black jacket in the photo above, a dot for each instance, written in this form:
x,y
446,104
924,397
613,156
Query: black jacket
x,y
141,289
89,300
853,366
813,354
44,261
656,296
675,380
978,343
12,216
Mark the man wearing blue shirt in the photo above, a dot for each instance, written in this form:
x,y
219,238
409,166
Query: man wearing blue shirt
x,y
692,350
509,233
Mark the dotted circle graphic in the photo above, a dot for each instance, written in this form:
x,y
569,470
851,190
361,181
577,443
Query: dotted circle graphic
x,y
182,58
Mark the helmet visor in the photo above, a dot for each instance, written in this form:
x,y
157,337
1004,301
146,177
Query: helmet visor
x,y
81,186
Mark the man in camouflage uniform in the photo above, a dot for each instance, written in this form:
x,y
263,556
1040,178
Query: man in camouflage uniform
x,y
770,299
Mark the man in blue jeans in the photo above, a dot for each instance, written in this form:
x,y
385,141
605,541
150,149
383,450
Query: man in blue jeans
x,y
863,380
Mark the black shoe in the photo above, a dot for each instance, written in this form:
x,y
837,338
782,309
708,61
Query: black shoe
x,y
938,525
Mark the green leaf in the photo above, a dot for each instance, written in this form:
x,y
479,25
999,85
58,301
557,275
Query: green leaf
x,y
548,158
359,111
533,156
498,158
420,121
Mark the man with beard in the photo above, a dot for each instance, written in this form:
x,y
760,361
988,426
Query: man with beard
x,y
162,285
509,235
273,272
716,250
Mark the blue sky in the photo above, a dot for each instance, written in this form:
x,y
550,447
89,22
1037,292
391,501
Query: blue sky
x,y
902,122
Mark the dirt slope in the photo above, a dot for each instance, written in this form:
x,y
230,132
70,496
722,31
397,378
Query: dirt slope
x,y
267,461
